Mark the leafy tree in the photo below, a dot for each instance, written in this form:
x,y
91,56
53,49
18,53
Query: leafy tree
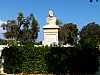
x,y
34,27
20,19
58,22
91,31
87,59
68,33
11,29
23,29
61,35
30,27
89,38
3,42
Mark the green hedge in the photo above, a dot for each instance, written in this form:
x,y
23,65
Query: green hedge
x,y
30,59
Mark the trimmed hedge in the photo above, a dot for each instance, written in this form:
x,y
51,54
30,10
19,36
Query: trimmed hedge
x,y
30,59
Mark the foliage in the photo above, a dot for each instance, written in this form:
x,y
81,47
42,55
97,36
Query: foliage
x,y
3,42
58,22
26,59
59,59
86,61
22,29
91,32
68,33
12,59
11,28
34,61
30,28
88,43
34,27
31,59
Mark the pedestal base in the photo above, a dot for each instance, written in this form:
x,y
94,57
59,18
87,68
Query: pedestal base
x,y
2,70
49,43
3,74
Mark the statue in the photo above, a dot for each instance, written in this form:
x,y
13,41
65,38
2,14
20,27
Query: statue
x,y
51,13
51,19
50,30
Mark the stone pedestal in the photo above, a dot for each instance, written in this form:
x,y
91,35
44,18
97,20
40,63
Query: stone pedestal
x,y
50,30
1,70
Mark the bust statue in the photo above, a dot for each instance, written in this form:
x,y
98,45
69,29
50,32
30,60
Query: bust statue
x,y
51,13
51,19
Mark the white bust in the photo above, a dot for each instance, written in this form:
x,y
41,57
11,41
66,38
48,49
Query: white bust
x,y
51,13
51,19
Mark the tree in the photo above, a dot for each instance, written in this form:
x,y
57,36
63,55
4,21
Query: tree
x,y
91,31
89,39
22,29
11,29
68,33
3,42
20,19
61,35
30,28
34,27
58,22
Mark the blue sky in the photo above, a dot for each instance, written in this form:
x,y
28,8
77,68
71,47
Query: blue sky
x,y
79,12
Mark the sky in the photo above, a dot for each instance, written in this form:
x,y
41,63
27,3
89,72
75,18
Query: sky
x,y
80,12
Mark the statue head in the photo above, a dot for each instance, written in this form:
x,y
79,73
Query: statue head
x,y
51,13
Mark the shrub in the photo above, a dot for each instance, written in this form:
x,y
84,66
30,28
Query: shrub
x,y
30,59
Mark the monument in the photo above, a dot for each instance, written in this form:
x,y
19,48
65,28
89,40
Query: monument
x,y
50,30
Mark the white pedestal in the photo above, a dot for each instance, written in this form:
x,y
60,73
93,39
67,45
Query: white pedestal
x,y
50,36
1,70
50,30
